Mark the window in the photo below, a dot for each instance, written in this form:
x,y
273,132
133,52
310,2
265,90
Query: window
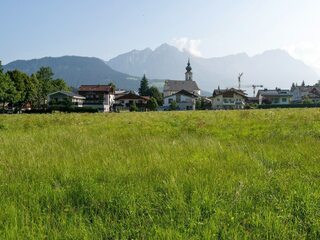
x,y
170,100
284,100
276,100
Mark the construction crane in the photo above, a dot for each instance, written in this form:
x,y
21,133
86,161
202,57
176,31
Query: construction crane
x,y
254,87
239,80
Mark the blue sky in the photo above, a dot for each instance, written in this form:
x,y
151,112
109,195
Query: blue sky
x,y
106,28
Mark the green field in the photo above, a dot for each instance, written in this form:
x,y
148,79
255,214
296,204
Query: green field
x,y
162,175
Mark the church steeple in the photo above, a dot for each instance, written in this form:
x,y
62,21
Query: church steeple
x,y
189,73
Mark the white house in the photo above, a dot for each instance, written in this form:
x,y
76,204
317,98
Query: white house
x,y
100,97
63,97
228,99
275,96
183,99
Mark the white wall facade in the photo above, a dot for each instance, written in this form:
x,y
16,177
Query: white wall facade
x,y
235,102
183,102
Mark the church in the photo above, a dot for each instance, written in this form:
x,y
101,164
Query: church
x,y
173,86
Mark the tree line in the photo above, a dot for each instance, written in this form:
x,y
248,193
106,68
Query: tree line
x,y
19,90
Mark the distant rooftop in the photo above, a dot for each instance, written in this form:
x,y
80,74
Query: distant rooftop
x,y
70,94
96,88
176,85
275,92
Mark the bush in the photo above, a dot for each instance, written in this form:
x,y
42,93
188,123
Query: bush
x,y
152,104
296,105
61,109
133,107
75,110
173,106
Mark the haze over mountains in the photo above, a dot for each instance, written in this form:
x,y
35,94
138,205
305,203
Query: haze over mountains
x,y
274,68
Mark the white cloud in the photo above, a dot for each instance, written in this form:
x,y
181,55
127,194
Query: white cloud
x,y
307,51
191,46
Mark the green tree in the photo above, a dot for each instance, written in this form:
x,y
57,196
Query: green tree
x,y
144,86
8,93
111,84
25,88
307,100
173,106
44,76
199,104
58,85
133,107
303,84
202,104
47,85
152,104
155,93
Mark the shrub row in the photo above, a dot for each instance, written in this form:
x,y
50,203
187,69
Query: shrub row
x,y
62,109
300,105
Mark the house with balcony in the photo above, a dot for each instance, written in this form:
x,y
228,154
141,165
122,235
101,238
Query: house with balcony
x,y
274,96
183,99
228,99
125,100
66,99
100,97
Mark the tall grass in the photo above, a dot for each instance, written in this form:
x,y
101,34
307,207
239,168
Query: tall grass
x,y
168,175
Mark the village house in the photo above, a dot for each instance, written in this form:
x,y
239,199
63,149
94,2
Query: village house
x,y
228,99
305,93
63,98
173,86
126,100
100,97
275,96
184,100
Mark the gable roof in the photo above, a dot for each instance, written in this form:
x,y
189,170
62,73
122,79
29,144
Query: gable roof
x,y
308,89
95,88
132,95
275,93
218,92
177,85
185,93
70,94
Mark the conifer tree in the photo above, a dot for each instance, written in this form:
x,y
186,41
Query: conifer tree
x,y
144,86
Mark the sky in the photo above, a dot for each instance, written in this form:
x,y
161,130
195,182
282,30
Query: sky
x,y
208,28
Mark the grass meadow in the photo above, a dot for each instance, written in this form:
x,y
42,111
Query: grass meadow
x,y
162,175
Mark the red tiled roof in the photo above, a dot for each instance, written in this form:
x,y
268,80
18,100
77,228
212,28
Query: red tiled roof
x,y
96,88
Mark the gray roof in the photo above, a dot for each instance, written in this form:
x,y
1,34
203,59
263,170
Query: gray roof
x,y
275,93
218,92
70,94
176,85
185,93
308,89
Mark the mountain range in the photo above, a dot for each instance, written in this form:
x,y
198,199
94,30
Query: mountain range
x,y
274,68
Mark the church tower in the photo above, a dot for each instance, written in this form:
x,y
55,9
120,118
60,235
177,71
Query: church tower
x,y
189,73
